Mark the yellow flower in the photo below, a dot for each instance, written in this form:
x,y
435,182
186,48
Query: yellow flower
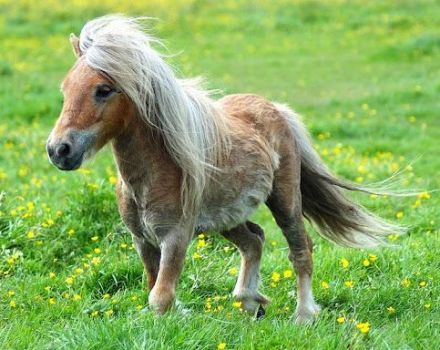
x,y
391,310
221,346
340,319
345,263
71,232
364,327
287,273
233,271
324,285
139,307
427,306
196,256
106,296
393,237
349,284
79,271
422,284
359,179
69,280
123,245
97,250
94,238
366,262
92,186
201,243
94,313
405,282
96,260
424,195
30,234
77,297
11,293
52,275
109,313
416,204
275,277
48,223
113,180
12,304
52,301
399,215
372,257
236,304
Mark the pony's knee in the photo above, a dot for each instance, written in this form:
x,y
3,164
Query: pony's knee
x,y
302,261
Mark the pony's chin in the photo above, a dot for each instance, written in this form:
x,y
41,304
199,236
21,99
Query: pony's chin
x,y
70,164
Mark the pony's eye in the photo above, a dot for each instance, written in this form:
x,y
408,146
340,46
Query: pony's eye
x,y
102,92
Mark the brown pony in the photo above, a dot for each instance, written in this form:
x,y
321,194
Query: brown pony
x,y
189,164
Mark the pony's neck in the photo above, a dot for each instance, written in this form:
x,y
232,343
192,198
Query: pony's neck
x,y
139,153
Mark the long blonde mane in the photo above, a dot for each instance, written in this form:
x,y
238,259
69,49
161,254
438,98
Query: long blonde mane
x,y
194,131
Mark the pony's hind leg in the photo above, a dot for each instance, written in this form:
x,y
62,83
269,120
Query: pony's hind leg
x,y
249,239
285,205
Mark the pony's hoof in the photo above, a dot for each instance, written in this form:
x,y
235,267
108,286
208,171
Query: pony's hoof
x,y
260,313
307,315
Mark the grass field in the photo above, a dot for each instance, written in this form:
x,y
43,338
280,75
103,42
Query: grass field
x,y
365,75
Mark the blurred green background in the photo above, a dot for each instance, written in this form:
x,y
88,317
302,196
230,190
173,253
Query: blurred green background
x,y
365,76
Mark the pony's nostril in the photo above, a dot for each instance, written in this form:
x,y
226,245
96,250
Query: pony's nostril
x,y
63,150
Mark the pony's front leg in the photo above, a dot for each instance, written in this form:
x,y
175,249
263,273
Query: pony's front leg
x,y
173,247
150,256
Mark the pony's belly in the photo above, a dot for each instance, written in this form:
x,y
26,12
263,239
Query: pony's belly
x,y
223,216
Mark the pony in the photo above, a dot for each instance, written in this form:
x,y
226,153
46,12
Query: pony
x,y
189,164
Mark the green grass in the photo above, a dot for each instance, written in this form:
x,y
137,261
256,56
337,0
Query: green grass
x,y
365,77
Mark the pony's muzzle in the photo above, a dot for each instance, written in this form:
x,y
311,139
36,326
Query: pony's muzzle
x,y
62,155
68,152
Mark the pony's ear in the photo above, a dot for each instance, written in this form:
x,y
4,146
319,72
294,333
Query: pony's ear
x,y
74,41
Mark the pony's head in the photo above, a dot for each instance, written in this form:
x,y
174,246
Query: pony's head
x,y
94,111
